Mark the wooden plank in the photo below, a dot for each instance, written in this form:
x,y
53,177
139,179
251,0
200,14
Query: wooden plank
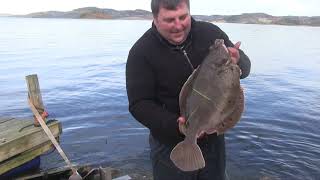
x,y
16,128
26,140
4,119
9,128
19,141
24,157
34,94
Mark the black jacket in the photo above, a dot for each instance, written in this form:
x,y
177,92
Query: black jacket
x,y
156,71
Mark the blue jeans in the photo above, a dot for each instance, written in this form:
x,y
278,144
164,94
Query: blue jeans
x,y
213,149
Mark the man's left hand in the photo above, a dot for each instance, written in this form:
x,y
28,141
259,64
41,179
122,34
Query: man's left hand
x,y
234,52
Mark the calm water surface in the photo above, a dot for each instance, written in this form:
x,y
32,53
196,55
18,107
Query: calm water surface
x,y
81,69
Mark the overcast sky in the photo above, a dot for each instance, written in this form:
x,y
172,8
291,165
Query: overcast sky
x,y
198,7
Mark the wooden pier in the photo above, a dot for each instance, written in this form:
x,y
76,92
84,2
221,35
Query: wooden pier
x,y
21,141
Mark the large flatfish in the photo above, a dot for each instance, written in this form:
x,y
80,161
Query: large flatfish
x,y
211,100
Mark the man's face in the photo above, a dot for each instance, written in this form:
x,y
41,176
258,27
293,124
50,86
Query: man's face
x,y
174,25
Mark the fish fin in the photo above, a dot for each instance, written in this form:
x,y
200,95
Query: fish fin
x,y
187,156
234,117
185,90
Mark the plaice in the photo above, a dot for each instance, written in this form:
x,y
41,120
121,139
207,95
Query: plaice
x,y
211,100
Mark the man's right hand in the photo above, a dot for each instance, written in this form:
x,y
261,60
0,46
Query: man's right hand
x,y
183,129
182,125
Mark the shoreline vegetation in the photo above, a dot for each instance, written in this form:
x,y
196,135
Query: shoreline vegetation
x,y
138,14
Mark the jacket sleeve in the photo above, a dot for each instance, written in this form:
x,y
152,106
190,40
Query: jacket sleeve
x,y
244,61
141,91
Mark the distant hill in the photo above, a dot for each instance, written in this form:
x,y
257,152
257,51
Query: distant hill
x,y
246,18
94,13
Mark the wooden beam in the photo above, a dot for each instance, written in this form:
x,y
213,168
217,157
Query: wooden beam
x,y
34,94
52,139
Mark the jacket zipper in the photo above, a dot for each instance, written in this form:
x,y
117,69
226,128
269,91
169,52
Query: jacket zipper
x,y
186,55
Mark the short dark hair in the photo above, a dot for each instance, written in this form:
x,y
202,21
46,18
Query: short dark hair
x,y
167,4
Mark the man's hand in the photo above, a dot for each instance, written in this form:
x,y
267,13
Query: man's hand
x,y
182,127
234,52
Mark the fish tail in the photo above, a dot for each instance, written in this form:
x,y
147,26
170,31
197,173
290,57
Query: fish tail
x,y
187,156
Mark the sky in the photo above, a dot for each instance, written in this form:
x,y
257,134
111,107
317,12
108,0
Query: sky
x,y
198,7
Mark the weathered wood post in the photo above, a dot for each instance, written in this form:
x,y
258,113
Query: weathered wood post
x,y
34,95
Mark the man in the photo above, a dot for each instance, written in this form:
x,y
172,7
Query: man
x,y
158,65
